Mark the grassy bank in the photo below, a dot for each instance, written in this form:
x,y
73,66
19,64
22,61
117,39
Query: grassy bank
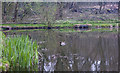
x,y
20,52
68,30
58,25
66,23
87,30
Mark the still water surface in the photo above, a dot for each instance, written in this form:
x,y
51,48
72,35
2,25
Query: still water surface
x,y
75,51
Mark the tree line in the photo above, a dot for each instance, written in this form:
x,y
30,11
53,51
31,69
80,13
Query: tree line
x,y
47,11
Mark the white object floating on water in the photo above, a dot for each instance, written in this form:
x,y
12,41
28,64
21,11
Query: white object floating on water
x,y
62,43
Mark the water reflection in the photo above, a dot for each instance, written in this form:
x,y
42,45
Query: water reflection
x,y
83,51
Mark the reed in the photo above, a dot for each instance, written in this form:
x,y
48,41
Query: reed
x,y
20,51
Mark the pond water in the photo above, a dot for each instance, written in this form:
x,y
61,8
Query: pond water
x,y
80,50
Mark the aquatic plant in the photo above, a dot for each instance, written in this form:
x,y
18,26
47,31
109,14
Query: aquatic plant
x,y
20,51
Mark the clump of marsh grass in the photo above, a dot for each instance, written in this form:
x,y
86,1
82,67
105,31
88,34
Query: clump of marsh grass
x,y
20,51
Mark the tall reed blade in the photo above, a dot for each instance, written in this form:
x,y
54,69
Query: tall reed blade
x,y
20,51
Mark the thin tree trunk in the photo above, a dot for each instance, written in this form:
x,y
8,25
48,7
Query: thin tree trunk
x,y
59,14
100,4
119,37
15,13
4,12
119,11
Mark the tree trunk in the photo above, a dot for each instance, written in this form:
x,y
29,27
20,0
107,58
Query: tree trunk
x,y
59,13
119,11
118,37
15,12
100,4
4,11
75,7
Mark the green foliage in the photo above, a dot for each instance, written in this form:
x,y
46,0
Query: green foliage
x,y
1,45
48,12
67,23
4,64
24,25
88,30
20,51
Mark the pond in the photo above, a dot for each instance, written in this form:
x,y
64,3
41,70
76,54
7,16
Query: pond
x,y
75,50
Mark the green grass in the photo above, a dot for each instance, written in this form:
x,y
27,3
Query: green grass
x,y
4,64
66,23
1,43
26,30
70,30
20,51
57,25
85,21
104,24
89,30
24,25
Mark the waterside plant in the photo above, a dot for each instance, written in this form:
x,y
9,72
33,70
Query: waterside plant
x,y
20,51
